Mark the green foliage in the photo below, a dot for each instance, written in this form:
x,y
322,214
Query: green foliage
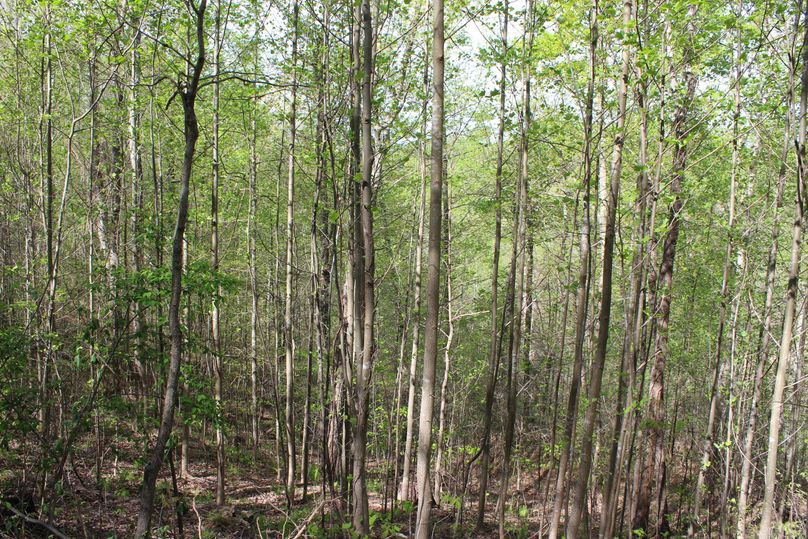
x,y
18,396
112,289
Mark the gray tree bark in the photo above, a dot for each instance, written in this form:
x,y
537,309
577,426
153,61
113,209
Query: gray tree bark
x,y
423,518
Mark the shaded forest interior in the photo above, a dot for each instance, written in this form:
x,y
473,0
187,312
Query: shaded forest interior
x,y
338,268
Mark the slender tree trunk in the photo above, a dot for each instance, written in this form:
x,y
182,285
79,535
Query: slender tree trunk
x,y
185,415
646,338
518,266
135,163
325,258
433,279
648,313
394,435
54,238
729,423
582,293
364,369
447,351
91,177
604,316
764,333
321,269
567,254
654,435
50,320
354,290
493,354
305,441
253,267
287,316
218,363
768,516
157,203
633,334
273,297
396,406
404,492
790,472
191,130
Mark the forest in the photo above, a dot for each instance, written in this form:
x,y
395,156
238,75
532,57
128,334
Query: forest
x,y
403,268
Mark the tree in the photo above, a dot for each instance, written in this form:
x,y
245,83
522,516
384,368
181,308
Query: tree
x,y
493,348
518,296
654,469
604,313
582,293
364,368
187,92
433,278
287,313
404,493
606,146
218,362
780,377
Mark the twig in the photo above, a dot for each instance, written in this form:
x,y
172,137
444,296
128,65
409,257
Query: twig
x,y
36,522
198,518
301,528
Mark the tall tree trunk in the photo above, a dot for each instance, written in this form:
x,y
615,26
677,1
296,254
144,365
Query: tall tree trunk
x,y
251,241
396,406
321,265
273,297
185,415
790,472
493,352
325,257
287,316
654,436
364,369
92,334
433,279
447,351
624,414
135,163
518,266
646,338
404,492
354,291
218,363
764,333
767,518
729,422
305,441
54,238
50,319
191,129
157,204
582,293
604,316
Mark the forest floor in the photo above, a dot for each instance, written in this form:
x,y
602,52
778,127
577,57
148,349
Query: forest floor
x,y
255,507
